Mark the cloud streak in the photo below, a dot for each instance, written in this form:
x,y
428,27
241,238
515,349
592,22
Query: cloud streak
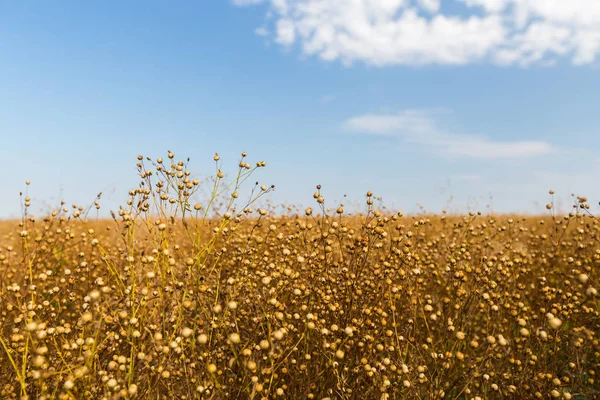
x,y
243,3
402,32
419,127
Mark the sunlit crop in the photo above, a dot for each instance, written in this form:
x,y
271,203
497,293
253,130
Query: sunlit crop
x,y
180,296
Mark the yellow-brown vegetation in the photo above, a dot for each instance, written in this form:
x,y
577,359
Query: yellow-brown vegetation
x,y
168,300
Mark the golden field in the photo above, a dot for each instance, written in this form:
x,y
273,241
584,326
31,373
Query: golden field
x,y
173,299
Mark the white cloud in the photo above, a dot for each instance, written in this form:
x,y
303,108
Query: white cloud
x,y
413,32
247,2
419,126
286,32
485,148
410,123
492,6
531,46
326,99
430,5
261,31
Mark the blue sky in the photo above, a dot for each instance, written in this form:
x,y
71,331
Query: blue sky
x,y
447,104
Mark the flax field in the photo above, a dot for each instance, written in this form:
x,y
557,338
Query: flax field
x,y
173,297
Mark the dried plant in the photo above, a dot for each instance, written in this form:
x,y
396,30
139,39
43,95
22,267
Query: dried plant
x,y
182,298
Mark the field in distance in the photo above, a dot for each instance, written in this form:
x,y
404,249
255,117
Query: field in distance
x,y
165,301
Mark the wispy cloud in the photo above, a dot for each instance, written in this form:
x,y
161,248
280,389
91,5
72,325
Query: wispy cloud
x,y
392,32
326,99
247,2
261,31
420,127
